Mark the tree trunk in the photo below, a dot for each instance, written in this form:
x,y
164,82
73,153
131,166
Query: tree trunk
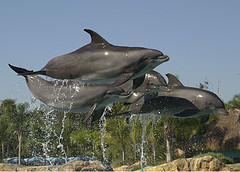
x,y
3,151
7,154
154,151
169,141
123,153
19,147
135,153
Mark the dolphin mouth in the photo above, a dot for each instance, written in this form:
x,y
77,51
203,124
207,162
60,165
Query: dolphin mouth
x,y
164,88
163,57
221,111
125,94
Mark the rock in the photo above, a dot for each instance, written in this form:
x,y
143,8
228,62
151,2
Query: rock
x,y
74,165
233,167
122,168
133,167
178,153
207,163
222,134
77,165
9,167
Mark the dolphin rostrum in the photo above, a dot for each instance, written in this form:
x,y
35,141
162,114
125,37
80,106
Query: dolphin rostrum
x,y
102,62
72,96
179,102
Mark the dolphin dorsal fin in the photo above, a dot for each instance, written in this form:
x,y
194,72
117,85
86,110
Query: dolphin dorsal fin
x,y
96,38
172,80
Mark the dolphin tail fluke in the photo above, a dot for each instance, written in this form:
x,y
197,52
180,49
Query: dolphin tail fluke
x,y
24,72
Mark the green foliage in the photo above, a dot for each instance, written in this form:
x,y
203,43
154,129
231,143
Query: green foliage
x,y
43,132
204,85
217,155
234,102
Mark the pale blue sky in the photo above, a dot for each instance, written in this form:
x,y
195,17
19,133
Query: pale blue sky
x,y
202,38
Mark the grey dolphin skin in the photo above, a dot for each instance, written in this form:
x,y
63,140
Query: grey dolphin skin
x,y
70,95
67,95
179,102
102,62
152,82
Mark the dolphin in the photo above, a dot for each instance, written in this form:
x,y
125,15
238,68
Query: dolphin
x,y
179,102
152,82
102,62
71,95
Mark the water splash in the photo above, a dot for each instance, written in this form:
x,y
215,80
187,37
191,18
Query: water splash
x,y
102,125
48,123
143,161
60,138
50,119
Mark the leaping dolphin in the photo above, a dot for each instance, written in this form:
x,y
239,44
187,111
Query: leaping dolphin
x,y
179,102
152,82
102,62
72,96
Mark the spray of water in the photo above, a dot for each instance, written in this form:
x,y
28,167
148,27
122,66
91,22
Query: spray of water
x,y
144,121
102,125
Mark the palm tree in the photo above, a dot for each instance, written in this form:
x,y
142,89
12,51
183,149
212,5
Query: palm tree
x,y
7,107
18,116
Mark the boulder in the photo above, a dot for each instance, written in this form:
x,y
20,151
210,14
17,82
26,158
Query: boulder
x,y
77,165
9,167
221,134
74,165
132,167
207,163
178,153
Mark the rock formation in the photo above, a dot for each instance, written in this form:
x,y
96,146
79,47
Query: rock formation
x,y
74,165
207,163
222,134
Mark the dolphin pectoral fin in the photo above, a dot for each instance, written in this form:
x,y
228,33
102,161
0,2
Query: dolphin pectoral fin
x,y
138,81
204,119
135,97
136,107
122,79
22,71
90,112
97,114
187,113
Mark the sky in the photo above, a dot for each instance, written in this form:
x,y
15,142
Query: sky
x,y
202,38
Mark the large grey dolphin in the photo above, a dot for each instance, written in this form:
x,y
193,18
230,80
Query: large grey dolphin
x,y
72,96
179,102
102,62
